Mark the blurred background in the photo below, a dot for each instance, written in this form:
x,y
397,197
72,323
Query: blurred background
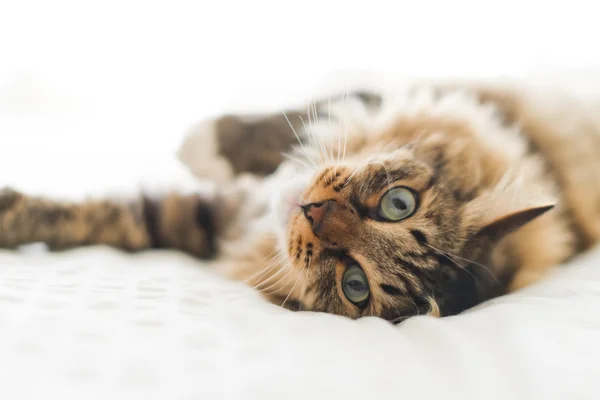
x,y
96,93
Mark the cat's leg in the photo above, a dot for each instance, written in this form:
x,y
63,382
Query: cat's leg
x,y
183,222
228,146
188,223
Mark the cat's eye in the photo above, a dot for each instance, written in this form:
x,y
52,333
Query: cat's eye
x,y
397,204
355,284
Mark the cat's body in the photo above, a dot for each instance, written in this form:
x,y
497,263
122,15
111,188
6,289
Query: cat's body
x,y
428,202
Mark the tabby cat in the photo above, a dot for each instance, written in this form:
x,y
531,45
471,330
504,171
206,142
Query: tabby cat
x,y
429,201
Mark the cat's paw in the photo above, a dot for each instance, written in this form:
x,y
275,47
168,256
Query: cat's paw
x,y
226,147
201,153
8,198
524,278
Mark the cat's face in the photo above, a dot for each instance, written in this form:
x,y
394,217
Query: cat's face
x,y
394,235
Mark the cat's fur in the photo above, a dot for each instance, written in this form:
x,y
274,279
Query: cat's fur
x,y
505,178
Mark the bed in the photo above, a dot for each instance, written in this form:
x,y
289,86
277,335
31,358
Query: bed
x,y
96,323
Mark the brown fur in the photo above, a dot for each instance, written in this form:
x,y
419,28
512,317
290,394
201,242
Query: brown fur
x,y
505,189
175,221
257,145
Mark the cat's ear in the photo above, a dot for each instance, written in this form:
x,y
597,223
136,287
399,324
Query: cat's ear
x,y
508,206
499,227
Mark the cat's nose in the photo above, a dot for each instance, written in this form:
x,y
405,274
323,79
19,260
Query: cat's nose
x,y
315,213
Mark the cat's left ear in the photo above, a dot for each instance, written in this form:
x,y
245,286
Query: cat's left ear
x,y
499,227
508,206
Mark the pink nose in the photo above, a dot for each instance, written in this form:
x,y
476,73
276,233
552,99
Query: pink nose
x,y
315,213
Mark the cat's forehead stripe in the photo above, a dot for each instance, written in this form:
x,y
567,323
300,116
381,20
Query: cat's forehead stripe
x,y
331,179
390,289
322,176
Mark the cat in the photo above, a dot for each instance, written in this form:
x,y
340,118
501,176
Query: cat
x,y
426,202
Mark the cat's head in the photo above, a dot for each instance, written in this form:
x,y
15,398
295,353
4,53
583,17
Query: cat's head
x,y
403,232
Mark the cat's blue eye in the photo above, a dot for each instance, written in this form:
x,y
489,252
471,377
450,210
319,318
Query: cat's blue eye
x,y
397,204
355,284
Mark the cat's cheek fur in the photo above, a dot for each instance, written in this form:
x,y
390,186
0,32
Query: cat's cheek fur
x,y
285,201
200,153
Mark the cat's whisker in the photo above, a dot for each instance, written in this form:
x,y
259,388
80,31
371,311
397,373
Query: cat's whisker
x,y
315,113
403,317
306,153
361,167
373,162
449,220
450,229
331,149
317,122
262,291
274,258
311,131
342,138
329,156
333,170
387,173
286,269
273,265
258,275
449,257
290,157
344,124
271,253
312,122
333,155
393,321
356,170
339,149
266,269
487,269
277,286
312,141
295,283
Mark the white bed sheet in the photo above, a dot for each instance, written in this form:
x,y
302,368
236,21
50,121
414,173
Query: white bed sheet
x,y
98,324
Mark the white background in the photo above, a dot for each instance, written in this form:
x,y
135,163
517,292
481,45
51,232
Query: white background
x,y
95,92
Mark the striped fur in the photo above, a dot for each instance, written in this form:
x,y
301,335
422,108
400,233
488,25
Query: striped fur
x,y
504,178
